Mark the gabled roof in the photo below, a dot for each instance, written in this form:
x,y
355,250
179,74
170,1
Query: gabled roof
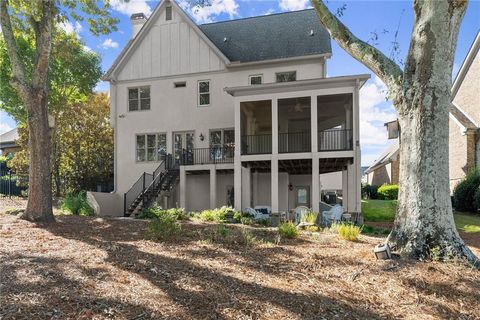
x,y
275,36
461,117
8,138
474,49
390,153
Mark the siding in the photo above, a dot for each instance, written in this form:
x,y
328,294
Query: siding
x,y
467,97
457,154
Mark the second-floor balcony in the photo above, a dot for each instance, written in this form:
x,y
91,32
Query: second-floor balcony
x,y
297,142
211,155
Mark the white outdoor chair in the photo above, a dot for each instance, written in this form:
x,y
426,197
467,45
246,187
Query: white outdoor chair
x,y
255,214
299,212
333,215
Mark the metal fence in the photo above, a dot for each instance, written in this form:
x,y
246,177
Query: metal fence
x,y
12,184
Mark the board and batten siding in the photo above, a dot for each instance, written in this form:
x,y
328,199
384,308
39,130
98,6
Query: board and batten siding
x,y
170,48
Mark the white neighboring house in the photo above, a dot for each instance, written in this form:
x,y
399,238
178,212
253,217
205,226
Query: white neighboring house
x,y
231,113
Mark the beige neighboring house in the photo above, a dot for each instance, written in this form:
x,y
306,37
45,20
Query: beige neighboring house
x,y
464,152
236,113
384,170
8,142
464,143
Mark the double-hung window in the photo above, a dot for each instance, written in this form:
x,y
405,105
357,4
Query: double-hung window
x,y
151,147
138,98
203,93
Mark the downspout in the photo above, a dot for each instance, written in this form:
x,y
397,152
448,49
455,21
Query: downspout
x,y
113,122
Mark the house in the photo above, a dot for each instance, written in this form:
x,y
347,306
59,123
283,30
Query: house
x,y
236,113
464,151
384,170
464,125
8,142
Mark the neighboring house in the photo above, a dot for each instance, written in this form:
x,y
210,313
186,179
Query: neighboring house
x,y
231,113
464,136
8,142
384,170
464,151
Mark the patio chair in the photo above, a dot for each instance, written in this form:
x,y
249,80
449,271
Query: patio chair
x,y
299,212
256,214
333,215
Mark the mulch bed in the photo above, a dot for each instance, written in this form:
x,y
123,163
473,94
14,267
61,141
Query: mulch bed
x,y
94,268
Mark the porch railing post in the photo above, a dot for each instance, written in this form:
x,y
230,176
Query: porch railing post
x,y
124,204
143,190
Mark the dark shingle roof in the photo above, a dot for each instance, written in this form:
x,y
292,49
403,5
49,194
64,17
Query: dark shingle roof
x,y
268,37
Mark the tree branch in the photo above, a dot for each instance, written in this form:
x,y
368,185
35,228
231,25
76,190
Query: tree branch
x,y
19,80
44,45
371,57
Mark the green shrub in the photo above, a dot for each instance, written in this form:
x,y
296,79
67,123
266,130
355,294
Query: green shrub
x,y
246,220
164,226
310,217
248,237
476,199
219,214
388,192
464,198
370,191
264,222
156,211
288,230
311,228
77,204
346,231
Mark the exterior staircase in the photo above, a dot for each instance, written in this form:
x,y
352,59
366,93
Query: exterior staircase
x,y
149,187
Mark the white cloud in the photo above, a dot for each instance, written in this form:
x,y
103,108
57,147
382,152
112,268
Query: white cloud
x,y
109,43
374,112
4,127
208,13
87,48
70,28
292,5
131,7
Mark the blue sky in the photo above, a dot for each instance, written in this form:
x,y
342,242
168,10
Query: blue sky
x,y
363,17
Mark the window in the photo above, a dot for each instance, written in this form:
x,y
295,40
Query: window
x,y
139,98
255,79
151,147
168,13
286,76
222,142
181,84
203,93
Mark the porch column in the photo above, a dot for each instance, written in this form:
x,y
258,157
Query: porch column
x,y
315,184
354,188
237,175
183,187
356,117
213,187
314,122
274,126
247,187
274,184
345,190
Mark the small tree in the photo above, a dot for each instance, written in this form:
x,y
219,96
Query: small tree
x,y
37,19
421,94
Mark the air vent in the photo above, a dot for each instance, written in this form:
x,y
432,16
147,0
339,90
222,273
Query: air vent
x,y
181,84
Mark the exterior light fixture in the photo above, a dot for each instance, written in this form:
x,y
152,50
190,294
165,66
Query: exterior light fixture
x,y
290,186
202,137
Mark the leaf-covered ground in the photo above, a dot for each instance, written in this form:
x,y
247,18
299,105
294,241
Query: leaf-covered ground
x,y
93,268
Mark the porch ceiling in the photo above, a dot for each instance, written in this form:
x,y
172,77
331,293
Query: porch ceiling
x,y
300,166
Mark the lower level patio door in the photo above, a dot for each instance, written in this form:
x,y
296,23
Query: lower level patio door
x,y
184,140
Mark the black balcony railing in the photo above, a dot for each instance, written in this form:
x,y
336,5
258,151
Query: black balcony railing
x,y
257,144
335,140
294,142
212,155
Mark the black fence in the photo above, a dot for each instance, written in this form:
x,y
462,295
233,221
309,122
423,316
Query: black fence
x,y
12,184
257,144
294,142
335,140
212,155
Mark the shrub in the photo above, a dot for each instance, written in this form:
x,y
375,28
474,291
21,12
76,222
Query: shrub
x,y
156,211
164,226
264,222
219,214
248,237
310,217
77,204
370,191
311,228
247,220
388,192
476,199
346,231
464,193
288,230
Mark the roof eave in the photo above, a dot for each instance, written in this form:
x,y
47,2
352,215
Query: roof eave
x,y
236,64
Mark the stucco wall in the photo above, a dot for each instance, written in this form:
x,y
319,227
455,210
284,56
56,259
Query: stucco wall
x,y
106,204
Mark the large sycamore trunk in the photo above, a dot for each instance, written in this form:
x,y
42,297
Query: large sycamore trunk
x,y
424,225
39,206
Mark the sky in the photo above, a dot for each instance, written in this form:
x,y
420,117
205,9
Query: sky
x,y
374,21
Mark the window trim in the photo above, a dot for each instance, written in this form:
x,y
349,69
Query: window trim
x,y
139,99
209,93
146,148
290,71
253,76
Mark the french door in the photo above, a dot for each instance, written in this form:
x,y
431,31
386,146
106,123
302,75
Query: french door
x,y
221,143
184,140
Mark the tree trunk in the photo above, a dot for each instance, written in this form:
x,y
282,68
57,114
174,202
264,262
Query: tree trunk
x,y
424,225
39,207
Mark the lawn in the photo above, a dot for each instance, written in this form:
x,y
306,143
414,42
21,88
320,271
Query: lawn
x,y
96,268
379,210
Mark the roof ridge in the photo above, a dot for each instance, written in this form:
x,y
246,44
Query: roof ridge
x,y
255,17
